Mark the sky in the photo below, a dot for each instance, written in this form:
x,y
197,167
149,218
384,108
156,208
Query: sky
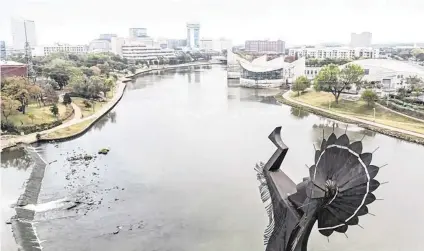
x,y
298,22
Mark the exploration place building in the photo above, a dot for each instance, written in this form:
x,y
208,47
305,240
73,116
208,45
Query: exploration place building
x,y
274,73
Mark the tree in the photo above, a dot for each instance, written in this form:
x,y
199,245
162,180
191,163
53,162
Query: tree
x,y
54,110
369,96
334,80
67,99
31,117
415,84
132,69
49,96
96,71
109,83
17,88
8,106
300,85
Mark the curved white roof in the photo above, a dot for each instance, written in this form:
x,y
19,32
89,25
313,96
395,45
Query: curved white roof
x,y
389,65
260,67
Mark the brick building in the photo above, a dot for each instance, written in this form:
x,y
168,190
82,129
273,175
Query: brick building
x,y
12,69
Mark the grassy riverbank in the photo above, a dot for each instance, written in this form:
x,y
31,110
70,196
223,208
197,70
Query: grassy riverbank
x,y
68,131
360,109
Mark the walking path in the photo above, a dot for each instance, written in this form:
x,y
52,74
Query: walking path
x,y
363,121
31,138
9,141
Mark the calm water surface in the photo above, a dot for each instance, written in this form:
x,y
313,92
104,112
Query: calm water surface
x,y
180,176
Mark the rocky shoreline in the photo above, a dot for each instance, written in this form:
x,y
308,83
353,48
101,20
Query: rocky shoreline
x,y
387,132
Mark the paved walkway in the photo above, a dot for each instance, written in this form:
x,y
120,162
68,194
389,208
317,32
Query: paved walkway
x,y
8,141
363,121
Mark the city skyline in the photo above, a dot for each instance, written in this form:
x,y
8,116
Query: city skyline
x,y
296,22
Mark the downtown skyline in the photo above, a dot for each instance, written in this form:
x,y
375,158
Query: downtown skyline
x,y
296,22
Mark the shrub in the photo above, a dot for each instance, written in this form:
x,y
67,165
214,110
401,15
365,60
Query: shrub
x,y
86,103
9,127
67,99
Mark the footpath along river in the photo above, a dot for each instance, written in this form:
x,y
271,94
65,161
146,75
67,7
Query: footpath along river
x,y
179,174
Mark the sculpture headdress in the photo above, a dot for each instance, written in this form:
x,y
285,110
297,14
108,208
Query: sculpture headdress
x,y
336,193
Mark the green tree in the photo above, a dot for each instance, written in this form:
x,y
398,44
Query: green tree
x,y
369,96
132,69
54,110
67,99
415,84
334,80
300,84
9,106
31,117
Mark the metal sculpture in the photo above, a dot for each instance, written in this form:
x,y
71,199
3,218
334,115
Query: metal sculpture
x,y
336,193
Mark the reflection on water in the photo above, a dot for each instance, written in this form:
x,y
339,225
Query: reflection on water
x,y
253,95
182,155
110,117
299,113
14,171
16,159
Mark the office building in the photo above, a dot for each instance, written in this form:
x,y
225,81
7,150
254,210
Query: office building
x,y
176,43
265,46
193,35
22,31
46,50
2,50
137,33
107,37
99,45
335,53
361,40
139,51
218,45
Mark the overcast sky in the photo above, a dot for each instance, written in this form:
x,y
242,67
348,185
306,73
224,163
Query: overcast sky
x,y
296,21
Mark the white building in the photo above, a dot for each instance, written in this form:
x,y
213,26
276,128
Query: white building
x,y
99,45
392,74
46,50
261,73
361,40
335,53
137,51
209,44
193,35
138,32
22,31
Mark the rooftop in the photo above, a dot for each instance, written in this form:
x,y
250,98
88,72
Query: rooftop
x,y
11,63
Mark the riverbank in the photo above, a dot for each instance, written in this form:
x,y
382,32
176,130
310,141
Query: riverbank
x,y
77,127
380,128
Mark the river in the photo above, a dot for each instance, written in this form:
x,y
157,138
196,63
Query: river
x,y
179,174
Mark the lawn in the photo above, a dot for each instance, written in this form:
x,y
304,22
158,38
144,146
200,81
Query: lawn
x,y
87,111
68,131
360,109
41,115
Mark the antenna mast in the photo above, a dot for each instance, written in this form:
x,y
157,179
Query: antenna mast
x,y
28,56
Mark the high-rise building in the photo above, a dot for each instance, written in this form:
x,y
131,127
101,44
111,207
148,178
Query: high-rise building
x,y
138,32
23,31
193,32
265,46
2,50
107,37
361,40
176,43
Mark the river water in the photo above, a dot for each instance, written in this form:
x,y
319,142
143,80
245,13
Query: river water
x,y
179,174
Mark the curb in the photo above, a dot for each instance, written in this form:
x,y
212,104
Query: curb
x,y
280,98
